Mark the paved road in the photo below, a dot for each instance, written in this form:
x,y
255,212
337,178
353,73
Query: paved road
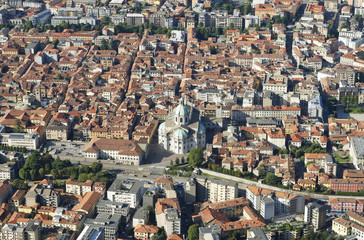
x,y
159,159
152,171
243,183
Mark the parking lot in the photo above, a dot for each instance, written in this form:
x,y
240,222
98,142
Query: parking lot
x,y
65,149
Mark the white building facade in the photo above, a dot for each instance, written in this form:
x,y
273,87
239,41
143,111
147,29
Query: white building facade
x,y
182,131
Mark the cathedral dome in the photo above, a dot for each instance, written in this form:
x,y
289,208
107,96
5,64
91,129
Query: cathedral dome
x,y
180,133
201,128
181,109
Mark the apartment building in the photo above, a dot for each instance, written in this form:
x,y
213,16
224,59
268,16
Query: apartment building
x,y
341,226
277,84
109,222
94,233
213,190
357,152
78,188
145,231
7,171
141,217
345,204
6,190
135,19
57,130
106,206
315,214
346,185
220,19
18,198
231,208
49,197
358,231
168,215
284,203
127,191
12,231
267,207
33,230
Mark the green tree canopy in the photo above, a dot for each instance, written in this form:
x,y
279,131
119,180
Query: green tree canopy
x,y
20,184
271,179
18,128
82,177
24,174
96,167
196,157
84,169
262,171
55,173
193,232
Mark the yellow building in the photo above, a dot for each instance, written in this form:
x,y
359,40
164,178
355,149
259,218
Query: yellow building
x,y
341,226
99,132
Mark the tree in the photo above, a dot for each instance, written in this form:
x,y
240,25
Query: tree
x,y
41,173
58,76
20,184
262,171
24,174
82,177
18,128
247,8
96,167
33,174
177,161
231,26
84,169
169,33
74,175
151,211
196,157
59,164
299,153
5,69
171,163
55,43
110,45
333,33
271,179
28,26
55,174
138,7
183,160
104,45
161,235
47,168
193,232
344,25
105,21
213,50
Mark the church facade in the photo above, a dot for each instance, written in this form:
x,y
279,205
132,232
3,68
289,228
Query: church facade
x,y
182,131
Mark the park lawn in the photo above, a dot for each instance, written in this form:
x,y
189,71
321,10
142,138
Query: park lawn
x,y
354,110
339,159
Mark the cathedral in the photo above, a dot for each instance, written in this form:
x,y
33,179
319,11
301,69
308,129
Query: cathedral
x,y
182,131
